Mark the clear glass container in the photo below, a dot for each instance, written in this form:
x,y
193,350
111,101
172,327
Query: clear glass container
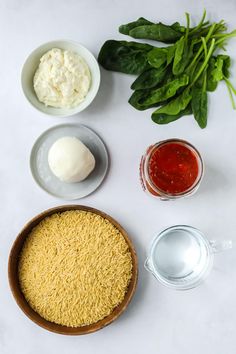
x,y
181,256
151,188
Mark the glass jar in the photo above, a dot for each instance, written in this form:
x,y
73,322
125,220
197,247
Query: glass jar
x,y
181,163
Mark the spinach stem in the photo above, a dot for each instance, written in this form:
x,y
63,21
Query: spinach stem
x,y
205,80
230,95
205,23
220,35
204,46
230,84
201,23
220,27
204,64
201,48
188,24
226,36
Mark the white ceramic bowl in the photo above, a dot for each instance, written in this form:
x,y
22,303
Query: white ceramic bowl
x,y
32,64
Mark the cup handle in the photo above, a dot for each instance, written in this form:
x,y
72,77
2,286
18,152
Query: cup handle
x,y
218,247
147,266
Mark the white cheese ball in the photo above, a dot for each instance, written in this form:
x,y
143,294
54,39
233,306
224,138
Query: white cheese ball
x,y
70,160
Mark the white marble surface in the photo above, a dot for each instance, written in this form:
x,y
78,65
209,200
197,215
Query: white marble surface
x,y
158,320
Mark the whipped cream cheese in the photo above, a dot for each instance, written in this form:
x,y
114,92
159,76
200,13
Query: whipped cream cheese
x,y
62,79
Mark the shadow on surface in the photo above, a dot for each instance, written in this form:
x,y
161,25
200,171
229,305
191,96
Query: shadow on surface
x,y
103,96
213,180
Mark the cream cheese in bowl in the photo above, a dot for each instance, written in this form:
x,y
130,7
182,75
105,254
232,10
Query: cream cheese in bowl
x,y
62,79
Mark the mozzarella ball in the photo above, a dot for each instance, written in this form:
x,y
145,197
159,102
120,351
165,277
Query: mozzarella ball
x,y
70,160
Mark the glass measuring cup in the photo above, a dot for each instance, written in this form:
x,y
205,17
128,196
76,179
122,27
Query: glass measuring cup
x,y
181,256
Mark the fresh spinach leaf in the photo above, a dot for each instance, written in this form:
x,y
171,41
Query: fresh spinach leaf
x,y
163,118
222,64
178,28
175,106
195,70
226,64
199,104
149,98
166,91
211,83
157,57
170,54
136,45
126,57
183,52
158,32
217,72
149,78
218,68
124,29
179,50
137,97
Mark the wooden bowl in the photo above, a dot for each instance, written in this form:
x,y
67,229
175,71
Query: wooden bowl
x,y
23,304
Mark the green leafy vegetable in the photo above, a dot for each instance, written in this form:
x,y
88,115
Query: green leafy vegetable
x,y
178,28
126,57
137,98
183,52
231,91
164,118
175,78
144,29
157,56
124,29
199,104
218,68
176,106
160,94
221,69
211,83
158,32
170,54
226,64
149,78
166,91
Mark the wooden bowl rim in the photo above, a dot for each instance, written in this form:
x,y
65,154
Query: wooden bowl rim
x,y
23,304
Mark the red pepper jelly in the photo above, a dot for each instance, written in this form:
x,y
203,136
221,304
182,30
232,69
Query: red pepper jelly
x,y
171,169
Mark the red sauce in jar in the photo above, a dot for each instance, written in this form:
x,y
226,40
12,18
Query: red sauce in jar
x,y
173,168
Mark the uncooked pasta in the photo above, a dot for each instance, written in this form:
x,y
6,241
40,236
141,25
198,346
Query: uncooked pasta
x,y
75,268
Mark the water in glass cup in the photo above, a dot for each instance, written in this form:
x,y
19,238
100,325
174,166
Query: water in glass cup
x,y
181,257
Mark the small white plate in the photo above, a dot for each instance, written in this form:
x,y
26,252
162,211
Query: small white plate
x,y
45,178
